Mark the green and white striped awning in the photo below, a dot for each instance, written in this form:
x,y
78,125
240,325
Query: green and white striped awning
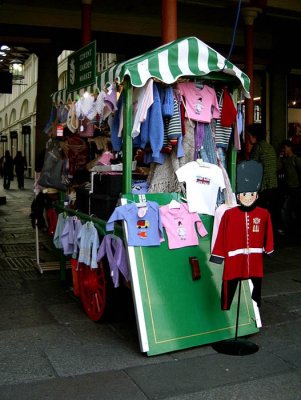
x,y
183,57
63,95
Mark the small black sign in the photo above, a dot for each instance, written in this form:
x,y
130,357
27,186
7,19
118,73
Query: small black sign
x,y
26,130
13,134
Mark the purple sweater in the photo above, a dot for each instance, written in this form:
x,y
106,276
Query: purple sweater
x,y
112,247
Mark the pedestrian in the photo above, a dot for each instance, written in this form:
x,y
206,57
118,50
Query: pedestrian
x,y
266,155
20,166
8,170
291,167
1,166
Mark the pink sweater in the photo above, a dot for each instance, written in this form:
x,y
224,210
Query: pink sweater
x,y
179,224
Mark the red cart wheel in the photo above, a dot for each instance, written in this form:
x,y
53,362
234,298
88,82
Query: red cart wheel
x,y
93,290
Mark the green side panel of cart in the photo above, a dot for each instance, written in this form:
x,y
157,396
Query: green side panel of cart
x,y
177,311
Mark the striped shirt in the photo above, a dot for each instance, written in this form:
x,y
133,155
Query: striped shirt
x,y
265,153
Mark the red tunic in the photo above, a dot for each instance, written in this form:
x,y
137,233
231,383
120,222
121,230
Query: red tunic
x,y
243,236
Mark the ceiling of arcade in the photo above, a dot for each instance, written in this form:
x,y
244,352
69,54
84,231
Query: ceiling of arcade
x,y
131,27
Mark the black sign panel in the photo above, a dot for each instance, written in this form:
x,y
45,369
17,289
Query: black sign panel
x,y
13,134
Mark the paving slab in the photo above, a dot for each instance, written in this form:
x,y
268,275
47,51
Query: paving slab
x,y
194,375
285,386
106,386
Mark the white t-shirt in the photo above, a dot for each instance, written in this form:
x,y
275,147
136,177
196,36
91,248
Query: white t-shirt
x,y
203,182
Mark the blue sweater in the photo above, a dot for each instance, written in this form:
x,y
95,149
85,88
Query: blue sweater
x,y
152,129
142,231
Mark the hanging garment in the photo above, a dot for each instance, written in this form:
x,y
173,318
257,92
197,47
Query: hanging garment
x,y
199,134
179,224
61,220
69,236
152,129
243,236
51,174
208,147
88,243
142,100
172,128
112,247
72,120
51,216
115,122
222,133
144,223
203,181
229,112
76,151
167,100
200,102
50,123
162,178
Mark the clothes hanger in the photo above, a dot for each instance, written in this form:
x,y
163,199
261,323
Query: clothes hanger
x,y
142,201
200,161
174,204
199,84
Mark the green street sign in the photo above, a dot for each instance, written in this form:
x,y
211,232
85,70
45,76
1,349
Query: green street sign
x,y
82,67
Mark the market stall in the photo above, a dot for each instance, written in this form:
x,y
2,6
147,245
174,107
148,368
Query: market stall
x,y
176,289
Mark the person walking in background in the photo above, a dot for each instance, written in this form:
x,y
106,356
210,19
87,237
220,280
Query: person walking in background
x,y
20,164
291,167
265,154
8,169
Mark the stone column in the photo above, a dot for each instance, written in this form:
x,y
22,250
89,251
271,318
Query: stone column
x,y
47,84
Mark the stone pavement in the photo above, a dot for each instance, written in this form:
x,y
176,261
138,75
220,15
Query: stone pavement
x,y
50,350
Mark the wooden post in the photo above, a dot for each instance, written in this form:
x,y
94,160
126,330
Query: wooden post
x,y
169,21
86,21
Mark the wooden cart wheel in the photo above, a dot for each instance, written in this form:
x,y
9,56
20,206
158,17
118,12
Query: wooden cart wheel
x,y
93,290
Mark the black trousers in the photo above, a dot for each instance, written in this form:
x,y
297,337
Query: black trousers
x,y
20,179
6,181
229,289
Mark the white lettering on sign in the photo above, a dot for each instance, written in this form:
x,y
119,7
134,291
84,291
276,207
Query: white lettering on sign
x,y
86,54
85,76
86,65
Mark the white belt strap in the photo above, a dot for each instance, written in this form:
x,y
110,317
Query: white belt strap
x,y
249,250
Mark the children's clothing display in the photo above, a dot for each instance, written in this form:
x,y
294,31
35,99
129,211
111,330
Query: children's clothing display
x,y
179,224
203,182
112,247
144,224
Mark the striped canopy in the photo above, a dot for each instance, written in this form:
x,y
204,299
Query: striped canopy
x,y
63,95
183,57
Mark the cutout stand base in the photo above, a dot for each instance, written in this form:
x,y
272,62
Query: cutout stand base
x,y
236,347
